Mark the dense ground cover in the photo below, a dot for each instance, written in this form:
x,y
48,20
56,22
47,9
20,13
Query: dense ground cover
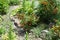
x,y
29,20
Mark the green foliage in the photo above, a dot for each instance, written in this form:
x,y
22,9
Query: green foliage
x,y
26,36
14,2
26,7
28,21
11,35
37,31
14,11
6,29
58,15
3,7
47,11
51,35
26,14
1,19
2,30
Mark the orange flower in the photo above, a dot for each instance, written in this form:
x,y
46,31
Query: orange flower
x,y
21,16
22,25
55,10
44,3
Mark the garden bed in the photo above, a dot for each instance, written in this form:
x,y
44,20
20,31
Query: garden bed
x,y
30,20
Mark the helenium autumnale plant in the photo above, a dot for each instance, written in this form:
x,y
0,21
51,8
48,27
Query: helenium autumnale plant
x,y
47,11
26,15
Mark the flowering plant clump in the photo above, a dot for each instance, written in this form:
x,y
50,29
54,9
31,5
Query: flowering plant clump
x,y
47,11
26,15
29,16
54,33
56,29
27,21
